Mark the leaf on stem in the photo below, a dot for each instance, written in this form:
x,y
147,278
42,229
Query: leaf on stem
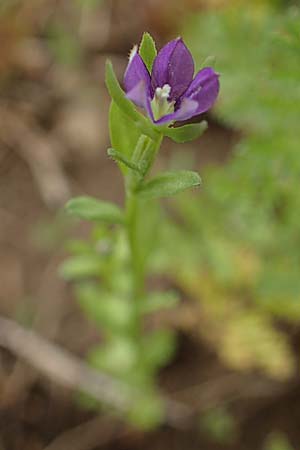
x,y
89,208
169,183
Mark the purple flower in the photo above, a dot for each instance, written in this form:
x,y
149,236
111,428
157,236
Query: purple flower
x,y
170,93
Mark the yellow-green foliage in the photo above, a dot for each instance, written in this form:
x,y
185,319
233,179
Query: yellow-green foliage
x,y
241,244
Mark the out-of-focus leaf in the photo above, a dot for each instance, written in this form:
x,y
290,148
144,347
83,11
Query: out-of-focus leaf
x,y
158,347
108,310
118,356
81,266
147,410
89,208
159,300
169,183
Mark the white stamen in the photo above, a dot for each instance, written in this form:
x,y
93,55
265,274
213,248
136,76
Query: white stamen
x,y
160,103
164,92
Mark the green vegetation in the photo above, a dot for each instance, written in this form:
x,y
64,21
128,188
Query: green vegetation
x,y
240,240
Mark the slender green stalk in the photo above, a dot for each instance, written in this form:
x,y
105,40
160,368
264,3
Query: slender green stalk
x,y
144,155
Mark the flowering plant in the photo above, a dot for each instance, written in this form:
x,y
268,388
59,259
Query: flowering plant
x,y
112,267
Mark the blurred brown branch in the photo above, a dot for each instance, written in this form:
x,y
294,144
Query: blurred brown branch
x,y
68,370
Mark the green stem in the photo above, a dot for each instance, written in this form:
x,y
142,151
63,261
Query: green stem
x,y
144,156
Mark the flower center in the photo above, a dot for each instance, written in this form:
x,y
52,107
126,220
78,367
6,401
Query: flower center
x,y
160,104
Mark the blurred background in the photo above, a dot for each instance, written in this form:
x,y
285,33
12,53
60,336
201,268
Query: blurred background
x,y
236,263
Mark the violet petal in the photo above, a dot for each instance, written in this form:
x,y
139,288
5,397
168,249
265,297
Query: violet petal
x,y
140,96
136,72
174,66
204,89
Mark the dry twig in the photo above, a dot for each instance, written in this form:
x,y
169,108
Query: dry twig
x,y
64,368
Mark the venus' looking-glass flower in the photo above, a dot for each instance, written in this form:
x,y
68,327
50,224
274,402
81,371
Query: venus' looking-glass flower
x,y
170,93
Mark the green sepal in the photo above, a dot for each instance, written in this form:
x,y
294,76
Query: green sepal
x,y
186,133
89,208
126,106
169,183
148,50
120,158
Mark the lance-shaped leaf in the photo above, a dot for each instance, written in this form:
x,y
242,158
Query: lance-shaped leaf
x,y
169,183
148,50
126,106
89,208
186,133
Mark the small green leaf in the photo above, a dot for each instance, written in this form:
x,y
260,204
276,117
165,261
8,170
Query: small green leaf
x,y
148,50
186,133
89,208
159,300
169,183
81,266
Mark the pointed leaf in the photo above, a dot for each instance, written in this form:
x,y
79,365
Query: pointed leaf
x,y
126,106
169,183
148,50
187,132
89,208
